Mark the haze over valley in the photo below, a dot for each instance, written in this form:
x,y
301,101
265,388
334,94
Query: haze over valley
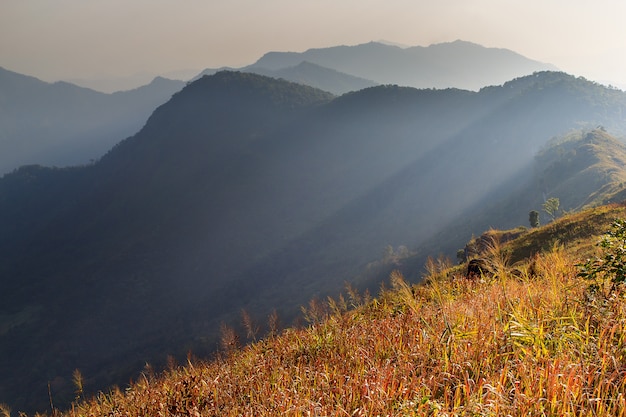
x,y
36,130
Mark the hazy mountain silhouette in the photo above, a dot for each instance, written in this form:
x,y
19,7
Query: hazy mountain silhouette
x,y
308,74
62,124
244,191
317,76
341,69
113,84
456,64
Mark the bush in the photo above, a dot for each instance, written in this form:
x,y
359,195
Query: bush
x,y
533,218
610,267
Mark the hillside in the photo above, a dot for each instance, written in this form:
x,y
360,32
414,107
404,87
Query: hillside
x,y
456,64
61,124
587,165
317,76
531,337
305,73
247,192
582,168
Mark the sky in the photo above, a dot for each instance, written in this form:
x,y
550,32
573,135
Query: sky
x,y
90,39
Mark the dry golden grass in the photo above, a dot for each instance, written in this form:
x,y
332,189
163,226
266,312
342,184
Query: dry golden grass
x,y
528,343
514,346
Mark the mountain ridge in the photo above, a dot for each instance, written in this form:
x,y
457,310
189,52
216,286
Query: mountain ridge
x,y
317,76
36,129
90,122
421,67
245,191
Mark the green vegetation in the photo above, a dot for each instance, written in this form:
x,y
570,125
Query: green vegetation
x,y
524,340
610,267
533,218
551,206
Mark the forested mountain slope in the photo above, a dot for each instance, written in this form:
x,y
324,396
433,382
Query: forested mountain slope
x,y
248,192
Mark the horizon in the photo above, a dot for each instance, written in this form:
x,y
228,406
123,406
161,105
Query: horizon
x,y
71,40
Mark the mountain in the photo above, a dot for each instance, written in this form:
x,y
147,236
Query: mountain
x,y
342,69
582,169
62,124
456,64
317,76
248,192
308,74
114,84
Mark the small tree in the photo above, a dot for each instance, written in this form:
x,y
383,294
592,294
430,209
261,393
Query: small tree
x,y
533,218
551,206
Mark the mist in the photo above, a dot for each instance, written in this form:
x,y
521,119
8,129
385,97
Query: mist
x,y
61,124
244,191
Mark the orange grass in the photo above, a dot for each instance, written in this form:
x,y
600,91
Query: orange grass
x,y
523,345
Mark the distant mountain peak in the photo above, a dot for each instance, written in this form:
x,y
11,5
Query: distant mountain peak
x,y
390,43
460,42
312,74
63,124
158,78
458,64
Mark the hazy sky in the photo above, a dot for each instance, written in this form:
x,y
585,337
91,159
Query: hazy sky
x,y
67,39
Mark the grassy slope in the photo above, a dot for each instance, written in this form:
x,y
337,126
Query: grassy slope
x,y
584,169
526,341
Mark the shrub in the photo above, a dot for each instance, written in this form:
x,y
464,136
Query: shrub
x,y
610,267
533,218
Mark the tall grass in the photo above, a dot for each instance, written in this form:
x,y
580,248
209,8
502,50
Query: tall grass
x,y
515,344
